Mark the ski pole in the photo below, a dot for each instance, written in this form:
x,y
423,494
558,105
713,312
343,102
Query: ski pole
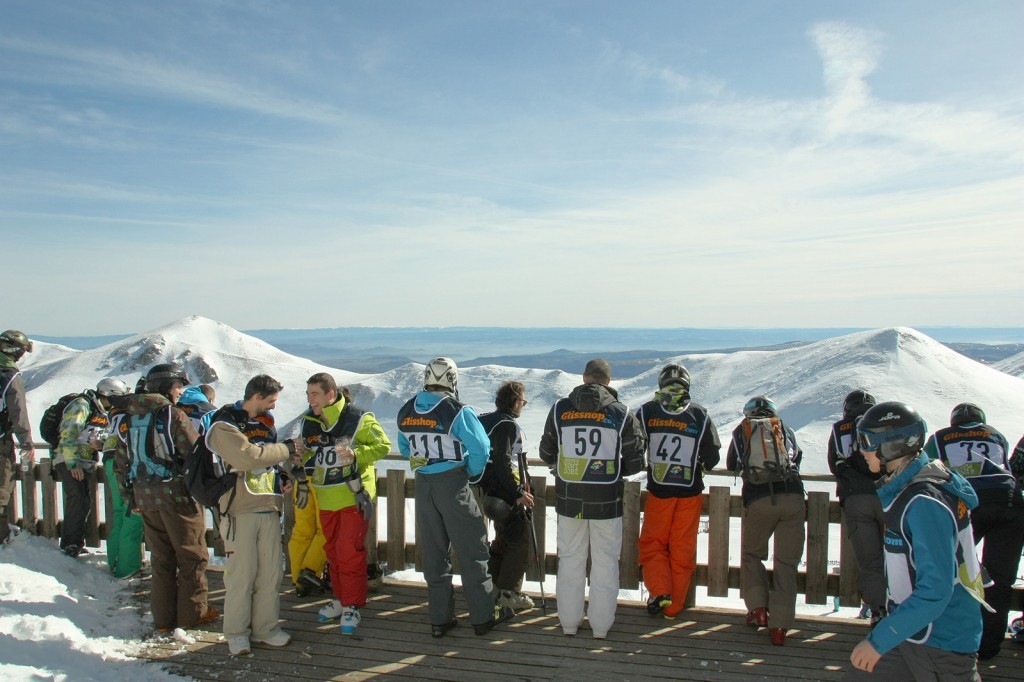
x,y
524,478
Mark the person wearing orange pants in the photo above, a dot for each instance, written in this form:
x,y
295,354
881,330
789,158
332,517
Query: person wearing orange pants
x,y
306,553
682,443
668,546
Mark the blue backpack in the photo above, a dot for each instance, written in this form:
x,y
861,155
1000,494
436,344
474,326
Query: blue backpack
x,y
149,446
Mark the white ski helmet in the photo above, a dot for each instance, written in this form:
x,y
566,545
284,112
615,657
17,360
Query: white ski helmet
x,y
110,386
442,372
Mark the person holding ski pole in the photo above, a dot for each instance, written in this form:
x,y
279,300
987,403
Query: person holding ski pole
x,y
506,496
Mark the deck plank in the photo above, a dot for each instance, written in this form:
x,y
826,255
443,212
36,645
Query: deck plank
x,y
394,642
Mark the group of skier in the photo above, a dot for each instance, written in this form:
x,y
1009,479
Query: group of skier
x,y
913,506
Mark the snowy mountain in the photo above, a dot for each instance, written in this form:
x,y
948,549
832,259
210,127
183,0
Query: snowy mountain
x,y
1013,365
808,383
211,352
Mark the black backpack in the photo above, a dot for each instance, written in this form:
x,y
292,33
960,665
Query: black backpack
x,y
49,425
205,479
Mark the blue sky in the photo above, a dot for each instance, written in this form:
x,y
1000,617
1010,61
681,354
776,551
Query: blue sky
x,y
657,164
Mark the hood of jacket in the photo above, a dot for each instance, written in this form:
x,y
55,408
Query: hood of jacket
x,y
593,396
6,361
933,471
427,399
192,396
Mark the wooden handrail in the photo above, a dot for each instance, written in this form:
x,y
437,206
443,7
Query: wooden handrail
x,y
818,581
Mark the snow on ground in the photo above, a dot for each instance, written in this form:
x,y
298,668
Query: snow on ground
x,y
68,619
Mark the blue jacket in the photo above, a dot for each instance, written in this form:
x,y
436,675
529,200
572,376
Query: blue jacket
x,y
467,429
193,395
924,547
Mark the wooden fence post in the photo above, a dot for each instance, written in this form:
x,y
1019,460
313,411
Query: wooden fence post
x,y
718,541
49,498
816,588
395,489
629,568
28,500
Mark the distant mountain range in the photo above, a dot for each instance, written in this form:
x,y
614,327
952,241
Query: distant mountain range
x,y
378,349
808,381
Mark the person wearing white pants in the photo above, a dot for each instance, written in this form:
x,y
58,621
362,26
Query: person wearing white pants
x,y
591,440
603,538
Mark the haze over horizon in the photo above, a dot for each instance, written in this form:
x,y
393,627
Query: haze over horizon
x,y
750,163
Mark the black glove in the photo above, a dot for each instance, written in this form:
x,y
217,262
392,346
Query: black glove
x,y
301,494
364,504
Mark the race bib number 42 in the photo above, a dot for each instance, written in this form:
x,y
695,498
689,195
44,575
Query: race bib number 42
x,y
671,456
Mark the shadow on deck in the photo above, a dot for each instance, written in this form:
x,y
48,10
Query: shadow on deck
x,y
394,642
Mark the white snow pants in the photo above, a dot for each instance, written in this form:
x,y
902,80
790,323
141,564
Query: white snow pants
x,y
603,538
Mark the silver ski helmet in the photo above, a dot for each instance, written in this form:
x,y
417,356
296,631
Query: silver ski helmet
x,y
760,406
891,430
14,344
674,374
857,403
442,372
110,386
966,413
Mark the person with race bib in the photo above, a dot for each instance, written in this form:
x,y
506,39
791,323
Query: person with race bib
x,y
981,454
932,625
447,448
343,442
682,443
862,510
591,440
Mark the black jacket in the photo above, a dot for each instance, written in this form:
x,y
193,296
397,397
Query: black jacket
x,y
593,500
501,477
847,464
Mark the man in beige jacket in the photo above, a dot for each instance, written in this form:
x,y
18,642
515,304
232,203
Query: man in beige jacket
x,y
242,437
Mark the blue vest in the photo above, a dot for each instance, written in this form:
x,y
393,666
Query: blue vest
x,y
901,569
430,432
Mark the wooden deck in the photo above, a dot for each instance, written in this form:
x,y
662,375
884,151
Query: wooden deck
x,y
394,642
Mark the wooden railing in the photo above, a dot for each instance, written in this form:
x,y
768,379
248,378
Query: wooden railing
x,y
818,581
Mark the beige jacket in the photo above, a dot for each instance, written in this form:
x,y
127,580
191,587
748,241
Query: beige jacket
x,y
254,489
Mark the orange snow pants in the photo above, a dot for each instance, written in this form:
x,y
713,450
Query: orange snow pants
x,y
668,545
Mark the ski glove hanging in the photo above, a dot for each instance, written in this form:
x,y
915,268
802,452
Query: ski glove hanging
x,y
364,504
301,494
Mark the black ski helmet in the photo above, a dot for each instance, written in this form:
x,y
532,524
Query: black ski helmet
x,y
497,509
891,430
857,403
14,344
674,374
760,406
966,413
160,378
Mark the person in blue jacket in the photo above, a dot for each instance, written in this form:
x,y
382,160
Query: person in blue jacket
x,y
933,577
447,448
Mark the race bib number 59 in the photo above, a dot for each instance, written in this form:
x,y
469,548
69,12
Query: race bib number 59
x,y
588,454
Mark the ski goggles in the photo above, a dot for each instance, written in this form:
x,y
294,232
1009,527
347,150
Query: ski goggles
x,y
872,441
755,406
